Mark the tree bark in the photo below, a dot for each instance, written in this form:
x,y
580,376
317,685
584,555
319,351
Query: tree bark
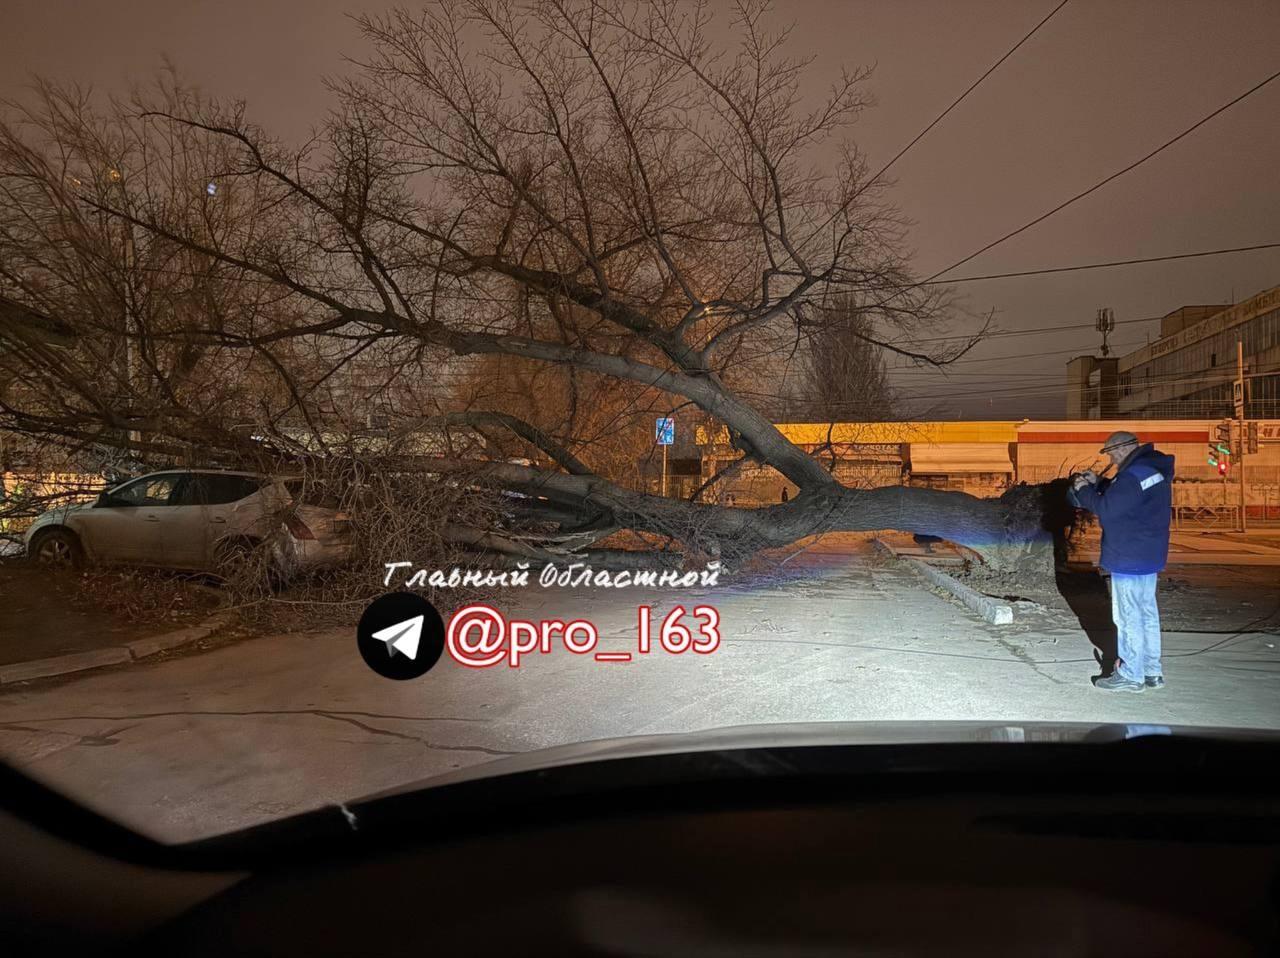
x,y
1014,535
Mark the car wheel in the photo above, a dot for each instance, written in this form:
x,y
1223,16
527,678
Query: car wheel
x,y
58,549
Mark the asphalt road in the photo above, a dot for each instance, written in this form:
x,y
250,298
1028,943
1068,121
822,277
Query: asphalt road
x,y
267,727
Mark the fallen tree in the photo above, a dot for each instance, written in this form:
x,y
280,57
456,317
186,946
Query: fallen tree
x,y
597,187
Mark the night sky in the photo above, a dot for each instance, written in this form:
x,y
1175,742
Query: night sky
x,y
1099,86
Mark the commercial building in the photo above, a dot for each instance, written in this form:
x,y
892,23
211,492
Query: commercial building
x,y
986,458
972,456
1190,370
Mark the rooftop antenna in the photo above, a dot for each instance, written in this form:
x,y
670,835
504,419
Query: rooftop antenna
x,y
1106,325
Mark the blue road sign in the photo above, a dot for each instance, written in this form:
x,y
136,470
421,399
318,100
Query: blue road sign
x,y
666,431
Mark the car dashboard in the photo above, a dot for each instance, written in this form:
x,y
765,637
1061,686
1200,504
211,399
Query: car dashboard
x,y
1139,847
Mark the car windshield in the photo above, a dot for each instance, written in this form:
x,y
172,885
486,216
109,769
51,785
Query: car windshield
x,y
501,377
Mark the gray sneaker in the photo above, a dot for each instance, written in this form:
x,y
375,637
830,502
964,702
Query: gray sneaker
x,y
1117,683
1154,681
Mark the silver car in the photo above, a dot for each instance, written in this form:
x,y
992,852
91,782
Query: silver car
x,y
195,520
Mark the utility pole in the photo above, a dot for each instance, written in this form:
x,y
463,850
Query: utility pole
x,y
1242,428
130,323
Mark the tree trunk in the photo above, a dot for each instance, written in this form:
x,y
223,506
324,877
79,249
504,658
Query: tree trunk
x,y
1017,536
1013,535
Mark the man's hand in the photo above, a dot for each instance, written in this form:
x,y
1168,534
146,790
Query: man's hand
x,y
1082,479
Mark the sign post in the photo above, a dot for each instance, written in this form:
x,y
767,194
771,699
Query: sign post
x,y
665,432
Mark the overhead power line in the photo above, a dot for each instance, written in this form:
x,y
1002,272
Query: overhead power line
x,y
1107,265
998,359
956,102
1032,331
1048,390
1101,183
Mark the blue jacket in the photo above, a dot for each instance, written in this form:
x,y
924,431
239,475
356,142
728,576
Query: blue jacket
x,y
1134,508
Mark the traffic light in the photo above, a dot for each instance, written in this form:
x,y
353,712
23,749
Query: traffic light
x,y
1220,447
1252,443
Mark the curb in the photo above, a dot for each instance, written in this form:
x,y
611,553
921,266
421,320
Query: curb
x,y
112,655
996,613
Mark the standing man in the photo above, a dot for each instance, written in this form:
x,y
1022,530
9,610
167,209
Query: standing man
x,y
1134,507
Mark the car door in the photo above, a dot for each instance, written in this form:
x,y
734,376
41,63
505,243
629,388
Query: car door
x,y
202,516
124,525
184,527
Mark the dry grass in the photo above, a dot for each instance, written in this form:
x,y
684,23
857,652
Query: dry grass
x,y
142,596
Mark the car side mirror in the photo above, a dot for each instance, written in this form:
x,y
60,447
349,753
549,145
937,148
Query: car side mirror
x,y
105,501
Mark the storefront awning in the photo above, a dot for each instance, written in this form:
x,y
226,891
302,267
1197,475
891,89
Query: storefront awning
x,y
951,458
